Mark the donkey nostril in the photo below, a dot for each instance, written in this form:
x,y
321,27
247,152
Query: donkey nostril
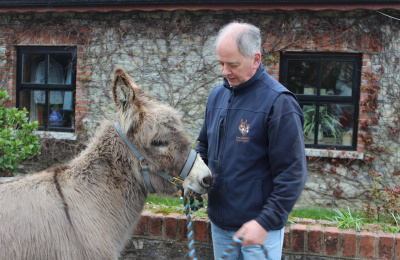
x,y
207,181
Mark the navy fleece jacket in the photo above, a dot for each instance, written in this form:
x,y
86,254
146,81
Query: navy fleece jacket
x,y
252,141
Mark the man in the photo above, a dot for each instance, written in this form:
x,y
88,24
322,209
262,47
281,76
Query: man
x,y
252,140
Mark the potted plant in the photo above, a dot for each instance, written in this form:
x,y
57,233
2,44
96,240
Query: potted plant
x,y
327,123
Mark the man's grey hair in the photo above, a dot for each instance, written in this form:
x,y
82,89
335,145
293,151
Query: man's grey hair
x,y
248,38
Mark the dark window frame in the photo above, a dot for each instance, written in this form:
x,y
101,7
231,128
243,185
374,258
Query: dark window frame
x,y
318,99
21,86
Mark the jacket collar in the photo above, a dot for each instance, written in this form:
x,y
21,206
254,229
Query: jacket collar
x,y
248,85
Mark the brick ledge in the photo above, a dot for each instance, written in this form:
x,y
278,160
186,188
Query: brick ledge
x,y
300,239
334,153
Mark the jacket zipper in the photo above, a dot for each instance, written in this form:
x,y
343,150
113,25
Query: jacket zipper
x,y
219,138
232,96
222,144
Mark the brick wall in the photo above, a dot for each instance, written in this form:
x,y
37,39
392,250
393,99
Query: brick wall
x,y
317,240
160,236
164,237
125,39
90,78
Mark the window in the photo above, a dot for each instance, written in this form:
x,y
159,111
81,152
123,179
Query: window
x,y
46,86
328,89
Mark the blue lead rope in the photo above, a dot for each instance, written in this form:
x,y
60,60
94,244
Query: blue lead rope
x,y
193,207
192,252
235,243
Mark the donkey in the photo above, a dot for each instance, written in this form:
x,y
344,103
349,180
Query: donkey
x,y
88,209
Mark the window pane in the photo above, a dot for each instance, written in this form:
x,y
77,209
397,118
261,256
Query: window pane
x,y
310,123
345,115
30,66
335,124
330,124
33,101
60,69
61,107
302,77
337,78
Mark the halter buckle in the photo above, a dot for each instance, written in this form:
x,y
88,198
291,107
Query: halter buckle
x,y
176,179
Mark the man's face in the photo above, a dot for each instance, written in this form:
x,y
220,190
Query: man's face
x,y
235,67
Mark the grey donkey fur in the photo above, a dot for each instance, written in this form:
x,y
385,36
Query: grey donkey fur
x,y
88,209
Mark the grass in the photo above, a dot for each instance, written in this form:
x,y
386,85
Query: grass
x,y
338,217
313,213
169,204
172,204
350,219
166,200
345,219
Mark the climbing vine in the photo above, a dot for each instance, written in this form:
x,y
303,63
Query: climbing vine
x,y
344,179
171,55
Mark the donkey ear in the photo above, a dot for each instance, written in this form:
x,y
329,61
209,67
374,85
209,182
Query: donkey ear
x,y
124,93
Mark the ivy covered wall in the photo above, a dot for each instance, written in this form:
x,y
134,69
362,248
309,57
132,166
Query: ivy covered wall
x,y
171,56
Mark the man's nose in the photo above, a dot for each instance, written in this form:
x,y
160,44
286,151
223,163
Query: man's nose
x,y
225,70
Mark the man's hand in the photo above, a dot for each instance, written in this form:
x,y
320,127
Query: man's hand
x,y
251,233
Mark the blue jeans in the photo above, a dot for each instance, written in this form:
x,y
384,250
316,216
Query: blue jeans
x,y
222,238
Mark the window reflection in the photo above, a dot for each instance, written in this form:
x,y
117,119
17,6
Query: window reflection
x,y
330,123
36,111
345,115
59,69
61,114
302,77
337,78
30,64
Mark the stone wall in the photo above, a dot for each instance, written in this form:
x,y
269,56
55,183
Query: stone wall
x,y
164,237
171,56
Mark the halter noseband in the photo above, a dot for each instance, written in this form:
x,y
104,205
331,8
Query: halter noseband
x,y
177,181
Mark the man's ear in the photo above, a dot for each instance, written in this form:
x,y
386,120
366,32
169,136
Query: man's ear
x,y
257,60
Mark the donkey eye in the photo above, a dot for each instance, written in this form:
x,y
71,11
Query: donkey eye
x,y
159,143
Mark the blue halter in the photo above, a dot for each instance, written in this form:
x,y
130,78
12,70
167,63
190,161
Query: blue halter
x,y
177,181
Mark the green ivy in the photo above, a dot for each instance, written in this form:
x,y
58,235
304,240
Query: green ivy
x,y
18,140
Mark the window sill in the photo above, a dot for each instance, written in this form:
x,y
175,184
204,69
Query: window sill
x,y
56,135
334,153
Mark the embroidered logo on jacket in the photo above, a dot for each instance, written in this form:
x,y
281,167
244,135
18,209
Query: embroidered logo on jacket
x,y
244,128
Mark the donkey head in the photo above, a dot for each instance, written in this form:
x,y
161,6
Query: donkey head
x,y
157,132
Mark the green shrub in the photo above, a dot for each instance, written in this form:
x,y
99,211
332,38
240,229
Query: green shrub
x,y
385,205
18,140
